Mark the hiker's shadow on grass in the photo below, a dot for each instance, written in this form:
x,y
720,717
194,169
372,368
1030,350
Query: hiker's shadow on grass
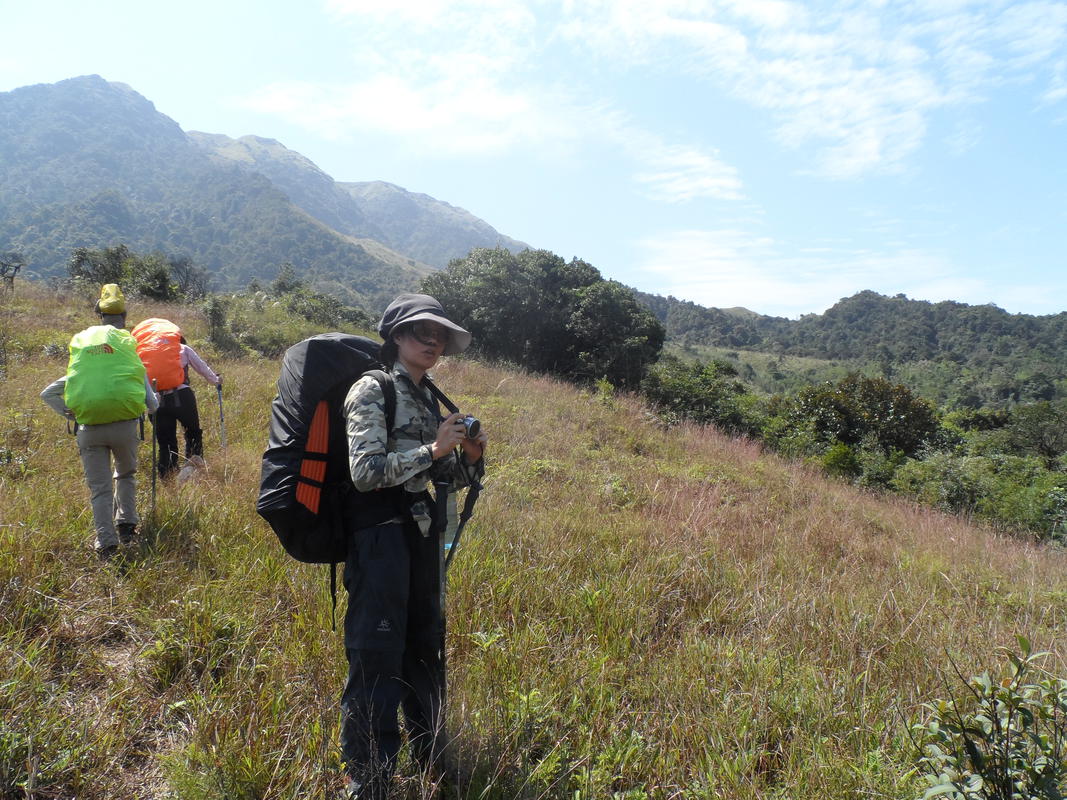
x,y
487,775
173,533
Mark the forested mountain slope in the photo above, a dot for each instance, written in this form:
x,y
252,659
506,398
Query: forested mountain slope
x,y
424,228
307,186
959,340
90,163
85,162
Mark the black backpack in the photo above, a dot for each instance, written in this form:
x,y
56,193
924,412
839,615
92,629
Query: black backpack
x,y
306,491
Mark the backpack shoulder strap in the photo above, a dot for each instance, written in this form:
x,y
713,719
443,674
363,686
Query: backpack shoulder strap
x,y
440,396
385,380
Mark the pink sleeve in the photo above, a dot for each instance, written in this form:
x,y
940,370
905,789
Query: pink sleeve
x,y
197,363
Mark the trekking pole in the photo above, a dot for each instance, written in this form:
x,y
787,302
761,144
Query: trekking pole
x,y
222,419
441,525
468,509
472,493
155,469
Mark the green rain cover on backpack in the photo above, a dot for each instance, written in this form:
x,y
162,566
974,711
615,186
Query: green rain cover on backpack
x,y
105,376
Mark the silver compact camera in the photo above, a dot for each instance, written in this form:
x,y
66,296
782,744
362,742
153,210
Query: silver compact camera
x,y
472,426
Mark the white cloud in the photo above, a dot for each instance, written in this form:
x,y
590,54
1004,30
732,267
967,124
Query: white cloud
x,y
773,14
1033,32
683,174
458,17
859,96
733,267
857,82
1057,87
465,77
407,10
855,85
457,114
964,137
502,31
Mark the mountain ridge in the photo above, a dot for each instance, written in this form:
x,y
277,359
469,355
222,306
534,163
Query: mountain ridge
x,y
922,330
955,354
388,205
88,162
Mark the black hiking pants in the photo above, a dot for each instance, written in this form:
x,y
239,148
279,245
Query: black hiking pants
x,y
174,407
393,639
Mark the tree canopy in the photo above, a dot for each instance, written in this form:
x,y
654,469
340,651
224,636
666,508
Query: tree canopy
x,y
154,276
857,407
549,315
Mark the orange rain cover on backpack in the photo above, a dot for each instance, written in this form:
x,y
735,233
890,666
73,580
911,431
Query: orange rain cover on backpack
x,y
160,347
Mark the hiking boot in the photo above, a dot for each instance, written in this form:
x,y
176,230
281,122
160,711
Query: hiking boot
x,y
127,533
107,553
372,790
437,759
446,774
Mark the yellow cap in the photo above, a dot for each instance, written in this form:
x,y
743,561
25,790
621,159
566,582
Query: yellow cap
x,y
112,300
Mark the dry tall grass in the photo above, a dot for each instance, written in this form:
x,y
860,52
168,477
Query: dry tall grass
x,y
634,612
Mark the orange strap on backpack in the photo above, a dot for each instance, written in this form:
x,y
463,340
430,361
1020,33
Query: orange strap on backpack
x,y
312,469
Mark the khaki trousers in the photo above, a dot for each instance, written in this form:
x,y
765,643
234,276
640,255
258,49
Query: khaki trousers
x,y
113,493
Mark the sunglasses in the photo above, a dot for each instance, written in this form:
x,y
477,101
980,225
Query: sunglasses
x,y
429,333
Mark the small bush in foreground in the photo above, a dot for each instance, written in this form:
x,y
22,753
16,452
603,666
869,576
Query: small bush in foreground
x,y
1005,743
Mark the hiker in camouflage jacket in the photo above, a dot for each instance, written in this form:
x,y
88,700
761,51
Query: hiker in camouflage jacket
x,y
378,459
393,573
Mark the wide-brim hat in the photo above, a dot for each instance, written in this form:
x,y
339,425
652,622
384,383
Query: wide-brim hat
x,y
408,308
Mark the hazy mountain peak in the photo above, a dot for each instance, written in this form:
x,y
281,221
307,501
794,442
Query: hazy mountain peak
x,y
428,229
90,162
257,150
413,224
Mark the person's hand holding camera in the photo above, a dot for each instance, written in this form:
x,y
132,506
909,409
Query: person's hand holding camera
x,y
474,446
449,434
462,430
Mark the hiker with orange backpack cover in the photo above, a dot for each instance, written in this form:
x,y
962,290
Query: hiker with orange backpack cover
x,y
105,392
167,358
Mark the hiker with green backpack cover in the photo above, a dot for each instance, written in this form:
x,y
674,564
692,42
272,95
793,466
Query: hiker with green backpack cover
x,y
105,392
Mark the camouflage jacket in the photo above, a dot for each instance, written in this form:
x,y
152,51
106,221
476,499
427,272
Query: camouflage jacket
x,y
377,460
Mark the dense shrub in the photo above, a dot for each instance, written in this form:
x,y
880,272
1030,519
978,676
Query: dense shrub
x,y
1004,740
1016,491
268,322
540,312
702,393
153,276
840,459
857,407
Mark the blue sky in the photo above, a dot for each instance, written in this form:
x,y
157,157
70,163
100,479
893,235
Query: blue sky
x,y
761,153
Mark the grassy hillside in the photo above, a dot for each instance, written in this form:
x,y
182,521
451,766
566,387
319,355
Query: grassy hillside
x,y
634,612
